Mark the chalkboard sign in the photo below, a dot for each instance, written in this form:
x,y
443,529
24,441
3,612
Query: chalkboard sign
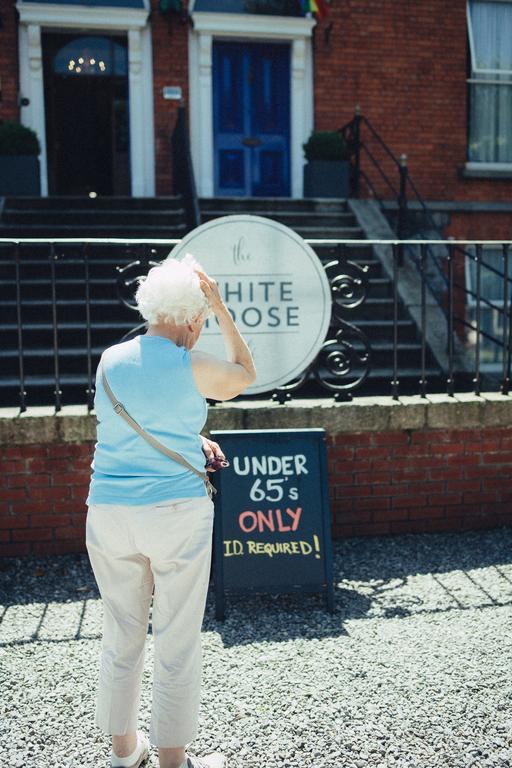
x,y
272,522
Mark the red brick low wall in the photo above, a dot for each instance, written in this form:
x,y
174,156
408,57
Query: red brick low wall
x,y
42,498
429,480
434,465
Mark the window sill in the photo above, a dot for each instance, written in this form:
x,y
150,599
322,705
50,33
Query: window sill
x,y
487,171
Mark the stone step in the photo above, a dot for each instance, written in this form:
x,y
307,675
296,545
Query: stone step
x,y
97,203
232,205
296,218
73,286
69,310
86,217
127,231
384,329
69,330
330,233
377,309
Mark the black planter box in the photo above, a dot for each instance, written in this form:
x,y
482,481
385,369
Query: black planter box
x,y
327,178
19,175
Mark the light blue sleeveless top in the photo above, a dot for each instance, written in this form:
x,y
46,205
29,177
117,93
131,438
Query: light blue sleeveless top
x,y
153,379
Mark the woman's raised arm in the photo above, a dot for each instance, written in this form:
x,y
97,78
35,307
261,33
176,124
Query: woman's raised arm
x,y
222,379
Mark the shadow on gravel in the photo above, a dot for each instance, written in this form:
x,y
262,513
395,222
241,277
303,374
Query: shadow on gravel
x,y
373,580
375,577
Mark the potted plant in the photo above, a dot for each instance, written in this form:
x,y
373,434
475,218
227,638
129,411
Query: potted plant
x,y
327,172
19,162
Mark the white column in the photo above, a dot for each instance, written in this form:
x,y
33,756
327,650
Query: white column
x,y
136,106
299,113
193,95
32,88
148,137
205,117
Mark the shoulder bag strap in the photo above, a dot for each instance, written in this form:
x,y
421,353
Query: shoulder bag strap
x,y
121,410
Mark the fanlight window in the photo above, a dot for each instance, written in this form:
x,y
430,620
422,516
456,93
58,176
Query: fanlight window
x,y
92,56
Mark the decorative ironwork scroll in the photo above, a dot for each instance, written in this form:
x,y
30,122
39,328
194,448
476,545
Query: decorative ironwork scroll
x,y
344,362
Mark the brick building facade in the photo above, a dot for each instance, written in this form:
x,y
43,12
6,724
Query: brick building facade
x,y
406,65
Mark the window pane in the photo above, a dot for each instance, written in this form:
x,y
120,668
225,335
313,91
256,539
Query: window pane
x,y
490,129
491,320
491,27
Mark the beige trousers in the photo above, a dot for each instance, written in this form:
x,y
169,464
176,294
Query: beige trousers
x,y
133,550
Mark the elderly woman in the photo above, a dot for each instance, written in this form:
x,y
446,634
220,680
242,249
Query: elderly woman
x,y
150,518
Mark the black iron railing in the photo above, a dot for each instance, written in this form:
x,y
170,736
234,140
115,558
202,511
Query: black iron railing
x,y
385,176
63,302
377,172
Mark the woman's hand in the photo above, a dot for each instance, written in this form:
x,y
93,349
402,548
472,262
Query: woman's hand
x,y
211,290
211,450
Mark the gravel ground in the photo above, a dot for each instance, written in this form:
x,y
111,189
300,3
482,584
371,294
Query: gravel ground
x,y
412,670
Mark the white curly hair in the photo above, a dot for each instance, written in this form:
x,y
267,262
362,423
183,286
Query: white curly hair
x,y
171,293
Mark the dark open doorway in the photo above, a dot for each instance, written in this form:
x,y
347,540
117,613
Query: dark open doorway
x,y
87,121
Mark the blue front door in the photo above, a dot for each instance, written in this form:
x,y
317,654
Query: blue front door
x,y
251,119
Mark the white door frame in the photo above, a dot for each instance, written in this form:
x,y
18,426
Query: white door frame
x,y
35,17
208,27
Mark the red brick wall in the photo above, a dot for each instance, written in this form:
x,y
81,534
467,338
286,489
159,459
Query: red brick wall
x,y
170,67
405,65
480,226
380,483
42,493
430,480
8,62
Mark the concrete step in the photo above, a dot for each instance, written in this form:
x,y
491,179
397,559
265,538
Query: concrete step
x,y
377,309
98,203
384,329
70,331
46,353
73,286
296,218
40,290
68,310
127,231
233,205
79,217
330,233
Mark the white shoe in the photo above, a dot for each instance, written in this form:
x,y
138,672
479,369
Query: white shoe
x,y
137,757
213,760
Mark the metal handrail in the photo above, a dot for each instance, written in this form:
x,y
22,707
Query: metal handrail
x,y
352,134
309,240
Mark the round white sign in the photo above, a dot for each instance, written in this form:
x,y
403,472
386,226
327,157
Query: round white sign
x,y
275,288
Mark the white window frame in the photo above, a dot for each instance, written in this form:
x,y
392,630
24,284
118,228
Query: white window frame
x,y
208,27
476,165
35,18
